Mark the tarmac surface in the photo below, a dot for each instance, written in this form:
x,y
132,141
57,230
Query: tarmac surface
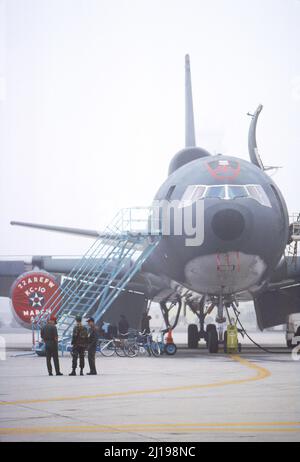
x,y
193,396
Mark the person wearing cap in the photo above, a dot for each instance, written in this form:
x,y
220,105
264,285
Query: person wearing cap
x,y
92,345
79,343
50,337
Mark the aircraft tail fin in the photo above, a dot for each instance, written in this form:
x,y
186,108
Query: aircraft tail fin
x,y
190,139
191,151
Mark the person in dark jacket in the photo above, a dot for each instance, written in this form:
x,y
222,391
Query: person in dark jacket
x,y
123,325
50,337
92,345
146,324
79,343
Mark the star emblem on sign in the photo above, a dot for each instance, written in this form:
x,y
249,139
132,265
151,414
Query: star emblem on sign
x,y
36,299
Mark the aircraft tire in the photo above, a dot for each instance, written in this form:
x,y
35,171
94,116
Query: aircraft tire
x,y
210,327
212,339
193,336
297,334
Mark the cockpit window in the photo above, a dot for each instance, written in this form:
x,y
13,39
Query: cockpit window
x,y
192,194
225,192
256,192
215,191
236,191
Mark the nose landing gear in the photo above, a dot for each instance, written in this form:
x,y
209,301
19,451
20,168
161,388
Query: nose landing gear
x,y
216,335
195,335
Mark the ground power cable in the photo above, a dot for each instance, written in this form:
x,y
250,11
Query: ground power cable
x,y
236,312
255,343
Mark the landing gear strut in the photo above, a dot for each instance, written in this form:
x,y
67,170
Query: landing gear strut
x,y
193,334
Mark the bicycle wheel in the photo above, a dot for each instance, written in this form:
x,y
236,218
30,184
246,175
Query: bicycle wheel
x,y
148,349
142,350
155,348
107,348
119,348
131,350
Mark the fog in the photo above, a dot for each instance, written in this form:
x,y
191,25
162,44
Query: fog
x,y
92,103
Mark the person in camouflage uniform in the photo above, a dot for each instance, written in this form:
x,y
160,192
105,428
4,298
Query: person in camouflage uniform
x,y
79,343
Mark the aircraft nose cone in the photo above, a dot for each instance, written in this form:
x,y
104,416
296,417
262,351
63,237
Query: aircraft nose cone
x,y
228,224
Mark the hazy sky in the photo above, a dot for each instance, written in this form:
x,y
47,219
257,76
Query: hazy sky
x,y
92,102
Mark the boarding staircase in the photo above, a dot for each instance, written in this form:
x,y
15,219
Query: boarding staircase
x,y
292,248
104,271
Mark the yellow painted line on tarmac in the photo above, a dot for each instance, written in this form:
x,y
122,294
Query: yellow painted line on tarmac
x,y
236,427
261,373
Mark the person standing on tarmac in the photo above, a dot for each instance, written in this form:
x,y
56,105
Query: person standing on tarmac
x,y
79,343
145,326
123,325
50,337
92,345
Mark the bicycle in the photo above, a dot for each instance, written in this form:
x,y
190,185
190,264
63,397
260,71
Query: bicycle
x,y
109,347
143,344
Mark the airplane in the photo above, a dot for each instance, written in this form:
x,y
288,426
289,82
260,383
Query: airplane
x,y
244,229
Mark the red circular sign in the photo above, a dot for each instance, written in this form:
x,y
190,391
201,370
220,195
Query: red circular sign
x,y
32,294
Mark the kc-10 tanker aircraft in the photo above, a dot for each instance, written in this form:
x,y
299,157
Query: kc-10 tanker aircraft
x,y
242,231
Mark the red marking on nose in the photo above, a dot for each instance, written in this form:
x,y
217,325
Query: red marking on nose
x,y
221,172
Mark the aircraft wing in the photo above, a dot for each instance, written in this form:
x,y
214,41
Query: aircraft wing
x,y
59,229
10,270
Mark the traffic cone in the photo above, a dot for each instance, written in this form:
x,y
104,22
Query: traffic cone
x,y
169,338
